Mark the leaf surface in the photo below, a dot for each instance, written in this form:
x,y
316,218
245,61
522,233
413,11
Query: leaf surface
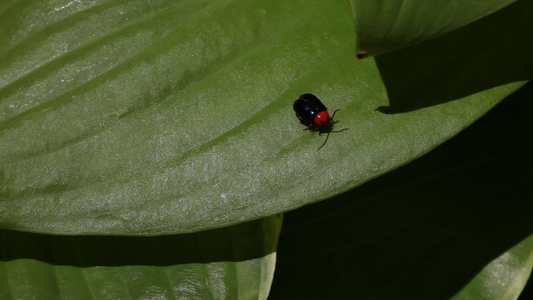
x,y
149,118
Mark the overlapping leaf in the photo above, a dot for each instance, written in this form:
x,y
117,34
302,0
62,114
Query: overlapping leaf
x,y
383,26
229,263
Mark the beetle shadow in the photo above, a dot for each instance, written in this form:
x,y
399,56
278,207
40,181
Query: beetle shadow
x,y
494,58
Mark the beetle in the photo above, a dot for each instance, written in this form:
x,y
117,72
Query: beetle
x,y
313,113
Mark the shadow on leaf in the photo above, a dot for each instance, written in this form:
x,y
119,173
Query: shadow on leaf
x,y
232,243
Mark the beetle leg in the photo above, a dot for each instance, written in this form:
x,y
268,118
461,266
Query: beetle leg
x,y
327,137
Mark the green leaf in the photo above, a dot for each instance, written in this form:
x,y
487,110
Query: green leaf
x,y
382,26
228,263
148,118
505,277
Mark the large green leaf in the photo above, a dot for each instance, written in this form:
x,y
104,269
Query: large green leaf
x,y
135,117
228,263
383,26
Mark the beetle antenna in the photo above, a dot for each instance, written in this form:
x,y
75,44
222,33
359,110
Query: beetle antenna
x,y
333,121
